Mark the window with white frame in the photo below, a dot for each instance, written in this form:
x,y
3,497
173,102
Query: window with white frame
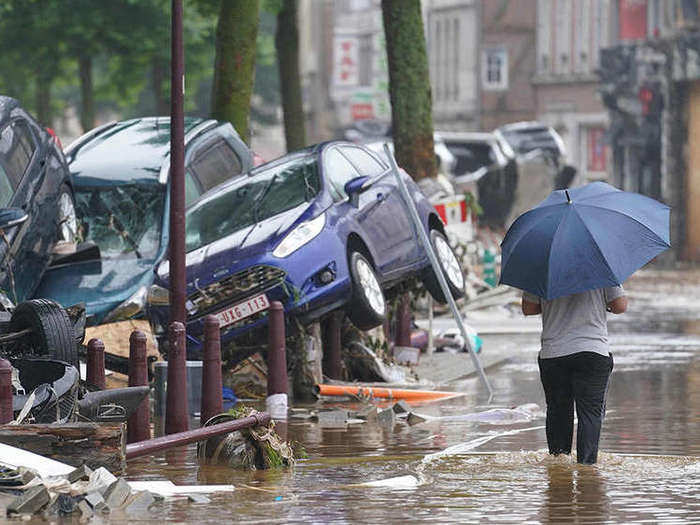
x,y
444,46
570,34
494,68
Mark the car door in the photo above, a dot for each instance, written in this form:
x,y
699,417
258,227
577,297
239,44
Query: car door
x,y
28,245
338,171
389,211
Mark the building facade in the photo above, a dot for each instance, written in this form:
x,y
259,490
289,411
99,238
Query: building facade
x,y
507,56
650,82
570,34
452,40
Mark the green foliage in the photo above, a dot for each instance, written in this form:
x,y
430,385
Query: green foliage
x,y
472,203
127,44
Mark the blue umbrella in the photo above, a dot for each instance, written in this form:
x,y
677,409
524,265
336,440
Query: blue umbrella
x,y
589,237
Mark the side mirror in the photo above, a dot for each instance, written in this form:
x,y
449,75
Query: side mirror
x,y
10,217
354,187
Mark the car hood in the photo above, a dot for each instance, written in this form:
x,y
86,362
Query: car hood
x,y
218,257
101,285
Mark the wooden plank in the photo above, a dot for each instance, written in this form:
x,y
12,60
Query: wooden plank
x,y
115,336
94,444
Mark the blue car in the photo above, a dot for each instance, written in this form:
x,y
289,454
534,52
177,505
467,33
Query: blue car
x,y
120,173
320,229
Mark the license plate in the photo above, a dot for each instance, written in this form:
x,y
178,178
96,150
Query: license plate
x,y
242,310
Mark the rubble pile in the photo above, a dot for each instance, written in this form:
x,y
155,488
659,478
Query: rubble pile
x,y
81,493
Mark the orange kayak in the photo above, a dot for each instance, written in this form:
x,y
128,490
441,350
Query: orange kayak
x,y
384,393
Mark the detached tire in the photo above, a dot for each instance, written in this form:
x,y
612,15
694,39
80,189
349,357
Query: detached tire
x,y
367,307
52,332
450,268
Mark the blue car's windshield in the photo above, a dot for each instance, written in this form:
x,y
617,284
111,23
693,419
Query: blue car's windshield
x,y
264,194
123,220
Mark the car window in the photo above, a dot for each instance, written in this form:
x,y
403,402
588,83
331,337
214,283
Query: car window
x,y
364,162
192,192
123,220
338,171
257,198
528,139
6,190
215,164
16,150
470,156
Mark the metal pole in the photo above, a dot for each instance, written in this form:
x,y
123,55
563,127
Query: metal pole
x,y
6,412
403,322
151,446
139,425
332,345
431,342
212,399
96,363
177,169
425,241
176,405
277,383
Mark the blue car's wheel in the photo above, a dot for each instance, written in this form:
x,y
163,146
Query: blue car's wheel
x,y
450,268
367,307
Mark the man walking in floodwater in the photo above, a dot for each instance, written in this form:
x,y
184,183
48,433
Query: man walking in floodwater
x,y
575,365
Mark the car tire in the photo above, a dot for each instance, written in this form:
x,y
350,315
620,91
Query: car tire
x,y
67,217
367,307
52,333
450,268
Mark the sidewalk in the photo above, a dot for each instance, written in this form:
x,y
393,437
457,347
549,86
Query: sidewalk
x,y
503,335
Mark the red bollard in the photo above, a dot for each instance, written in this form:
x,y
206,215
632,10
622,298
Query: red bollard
x,y
139,425
96,363
331,345
176,405
277,384
403,321
6,413
212,399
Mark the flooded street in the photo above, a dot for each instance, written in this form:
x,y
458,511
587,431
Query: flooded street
x,y
498,469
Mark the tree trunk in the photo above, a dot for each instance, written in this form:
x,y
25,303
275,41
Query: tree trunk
x,y
43,100
87,93
409,87
234,65
158,70
287,46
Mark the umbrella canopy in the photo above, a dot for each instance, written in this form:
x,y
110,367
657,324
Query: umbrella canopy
x,y
589,237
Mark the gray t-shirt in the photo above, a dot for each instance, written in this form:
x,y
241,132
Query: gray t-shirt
x,y
575,323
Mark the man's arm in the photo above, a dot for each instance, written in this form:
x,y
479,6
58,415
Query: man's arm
x,y
617,306
530,308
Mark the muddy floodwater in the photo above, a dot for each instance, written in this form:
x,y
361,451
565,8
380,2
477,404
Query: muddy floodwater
x,y
495,469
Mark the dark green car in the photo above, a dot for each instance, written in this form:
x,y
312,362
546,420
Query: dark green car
x,y
121,177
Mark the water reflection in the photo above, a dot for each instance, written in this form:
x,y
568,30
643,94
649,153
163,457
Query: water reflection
x,y
575,493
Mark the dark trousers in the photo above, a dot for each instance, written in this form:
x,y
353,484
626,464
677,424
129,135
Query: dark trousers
x,y
581,378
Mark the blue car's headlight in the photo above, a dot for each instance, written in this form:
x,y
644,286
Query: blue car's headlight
x,y
299,236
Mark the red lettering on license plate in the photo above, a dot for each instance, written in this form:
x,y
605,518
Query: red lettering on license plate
x,y
242,310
